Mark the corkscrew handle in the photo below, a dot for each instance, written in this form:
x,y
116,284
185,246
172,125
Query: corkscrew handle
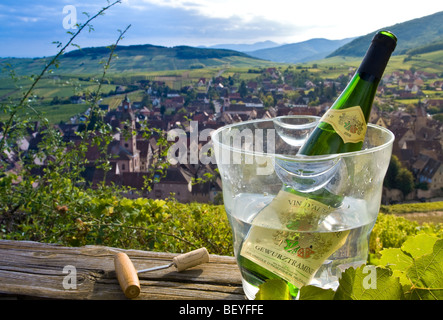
x,y
126,275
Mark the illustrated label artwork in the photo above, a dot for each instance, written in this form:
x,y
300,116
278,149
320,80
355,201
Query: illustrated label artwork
x,y
349,123
296,255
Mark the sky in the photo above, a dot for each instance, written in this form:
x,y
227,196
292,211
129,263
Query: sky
x,y
29,27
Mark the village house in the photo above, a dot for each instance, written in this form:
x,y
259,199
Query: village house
x,y
252,87
379,121
411,87
432,174
418,145
434,102
252,102
179,183
132,156
418,138
147,149
120,89
77,99
201,82
437,85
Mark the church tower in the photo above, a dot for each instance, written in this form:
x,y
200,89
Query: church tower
x,y
128,140
421,118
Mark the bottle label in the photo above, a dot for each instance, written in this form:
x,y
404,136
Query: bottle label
x,y
349,123
281,238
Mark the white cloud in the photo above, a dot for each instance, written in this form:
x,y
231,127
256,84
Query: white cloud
x,y
206,22
315,18
28,19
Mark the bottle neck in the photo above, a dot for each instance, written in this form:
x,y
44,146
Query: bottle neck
x,y
360,91
368,77
375,61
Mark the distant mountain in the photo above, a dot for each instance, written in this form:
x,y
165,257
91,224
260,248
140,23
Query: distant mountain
x,y
411,34
137,58
245,47
150,52
313,49
422,35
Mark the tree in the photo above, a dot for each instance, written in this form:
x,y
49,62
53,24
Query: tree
x,y
391,174
191,95
293,96
405,181
268,100
398,177
146,101
243,90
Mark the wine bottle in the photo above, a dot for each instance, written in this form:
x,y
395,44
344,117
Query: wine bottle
x,y
279,244
343,127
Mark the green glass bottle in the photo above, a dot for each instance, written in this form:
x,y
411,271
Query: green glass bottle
x,y
343,127
267,253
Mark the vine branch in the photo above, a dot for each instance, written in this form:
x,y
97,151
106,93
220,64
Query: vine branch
x,y
45,69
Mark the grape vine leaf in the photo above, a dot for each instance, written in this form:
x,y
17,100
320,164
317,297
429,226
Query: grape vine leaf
x,y
419,266
273,289
316,293
398,261
363,283
395,259
426,275
419,245
414,271
375,284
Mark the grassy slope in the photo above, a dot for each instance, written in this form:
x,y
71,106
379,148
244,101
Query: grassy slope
x,y
136,59
66,85
411,34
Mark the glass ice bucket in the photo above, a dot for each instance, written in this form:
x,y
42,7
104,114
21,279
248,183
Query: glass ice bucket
x,y
264,180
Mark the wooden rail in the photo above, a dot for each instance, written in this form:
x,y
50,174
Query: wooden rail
x,y
38,270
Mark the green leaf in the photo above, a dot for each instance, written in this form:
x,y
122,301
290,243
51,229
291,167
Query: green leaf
x,y
419,245
395,259
404,280
418,265
273,289
316,293
426,274
363,283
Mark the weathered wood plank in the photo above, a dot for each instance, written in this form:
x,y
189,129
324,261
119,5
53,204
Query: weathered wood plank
x,y
33,269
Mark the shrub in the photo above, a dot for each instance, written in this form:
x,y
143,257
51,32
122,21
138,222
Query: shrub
x,y
391,231
146,224
413,207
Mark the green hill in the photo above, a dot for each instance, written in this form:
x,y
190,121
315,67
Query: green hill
x,y
435,46
411,35
137,58
304,51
